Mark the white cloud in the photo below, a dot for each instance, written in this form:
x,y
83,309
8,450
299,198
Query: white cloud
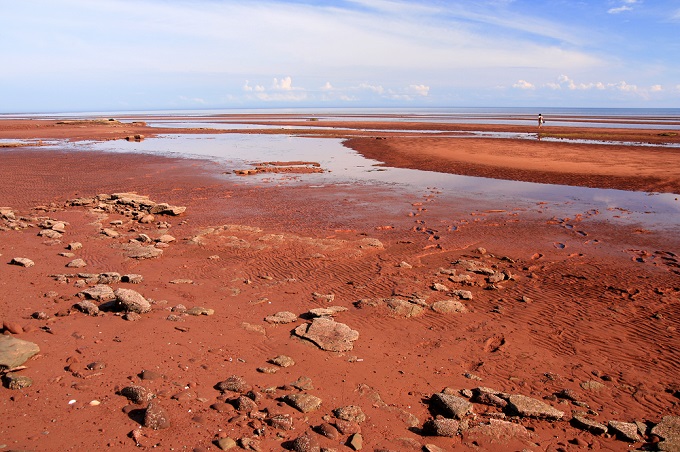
x,y
327,87
619,9
248,88
421,90
523,84
375,88
656,88
285,84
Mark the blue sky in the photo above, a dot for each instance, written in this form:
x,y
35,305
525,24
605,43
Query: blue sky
x,y
112,55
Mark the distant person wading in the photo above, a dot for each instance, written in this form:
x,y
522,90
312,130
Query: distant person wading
x,y
541,121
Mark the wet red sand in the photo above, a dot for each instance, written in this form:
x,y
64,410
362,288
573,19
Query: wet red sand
x,y
589,300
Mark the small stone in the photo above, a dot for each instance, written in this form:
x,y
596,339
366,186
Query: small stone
x,y
281,422
225,443
14,381
592,385
462,294
87,307
77,263
156,417
22,262
137,394
328,430
303,383
132,316
234,384
110,233
351,413
243,403
305,443
73,246
356,441
132,278
131,301
304,403
281,318
283,361
440,287
198,310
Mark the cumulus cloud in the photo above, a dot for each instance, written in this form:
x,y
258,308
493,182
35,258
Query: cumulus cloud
x,y
248,88
523,84
378,89
285,84
656,88
421,90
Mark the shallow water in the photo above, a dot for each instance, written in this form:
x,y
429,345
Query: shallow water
x,y
346,166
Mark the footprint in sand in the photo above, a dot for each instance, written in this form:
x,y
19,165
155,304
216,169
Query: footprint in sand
x,y
559,246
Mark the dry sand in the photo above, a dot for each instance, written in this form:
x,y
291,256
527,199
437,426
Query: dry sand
x,y
575,306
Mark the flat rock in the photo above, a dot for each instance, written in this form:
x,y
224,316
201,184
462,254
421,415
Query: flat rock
x,y
328,334
87,307
167,209
14,352
281,318
199,310
524,406
451,406
588,425
669,431
303,402
100,292
137,394
22,262
327,312
626,431
497,431
283,361
132,301
137,251
462,294
449,307
404,308
77,263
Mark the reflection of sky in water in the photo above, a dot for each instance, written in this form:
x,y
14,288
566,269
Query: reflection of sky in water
x,y
343,165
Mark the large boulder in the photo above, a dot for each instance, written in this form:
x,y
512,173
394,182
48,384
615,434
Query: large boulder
x,y
328,334
14,352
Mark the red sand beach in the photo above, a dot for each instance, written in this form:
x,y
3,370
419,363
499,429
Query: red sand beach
x,y
179,310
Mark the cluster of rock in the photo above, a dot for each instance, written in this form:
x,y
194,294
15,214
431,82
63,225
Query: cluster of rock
x,y
248,408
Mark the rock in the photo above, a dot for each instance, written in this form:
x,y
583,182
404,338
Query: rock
x,y
281,318
498,431
234,384
132,316
165,238
243,403
347,427
328,430
22,262
449,307
282,361
669,431
281,422
167,209
87,307
441,427
73,246
328,334
440,287
137,251
303,384
12,327
15,381
592,385
222,407
356,441
328,298
303,402
100,292
626,431
486,398
305,443
137,394
524,406
132,278
326,312
197,310
352,413
156,417
404,308
131,301
14,352
225,443
432,448
76,263
462,294
451,406
50,234
589,425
